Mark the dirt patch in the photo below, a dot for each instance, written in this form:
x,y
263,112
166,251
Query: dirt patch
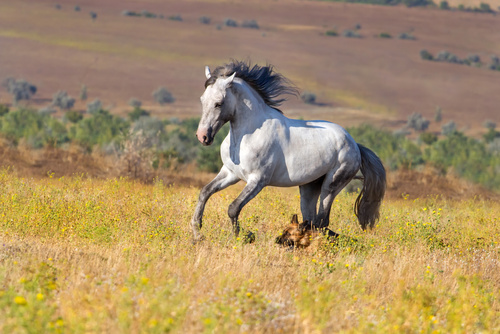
x,y
421,184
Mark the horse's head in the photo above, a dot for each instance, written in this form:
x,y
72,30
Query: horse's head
x,y
297,235
218,104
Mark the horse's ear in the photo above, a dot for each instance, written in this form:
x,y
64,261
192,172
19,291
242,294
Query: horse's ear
x,y
295,219
226,83
207,72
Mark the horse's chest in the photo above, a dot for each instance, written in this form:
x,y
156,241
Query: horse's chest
x,y
245,156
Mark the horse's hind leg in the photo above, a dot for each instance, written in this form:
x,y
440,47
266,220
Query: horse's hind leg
x,y
309,194
333,183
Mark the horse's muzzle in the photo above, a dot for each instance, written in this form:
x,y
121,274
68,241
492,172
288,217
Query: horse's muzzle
x,y
205,136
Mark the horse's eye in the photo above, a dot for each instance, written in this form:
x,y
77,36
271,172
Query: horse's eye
x,y
219,104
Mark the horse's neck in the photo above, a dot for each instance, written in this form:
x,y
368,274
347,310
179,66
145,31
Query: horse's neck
x,y
251,112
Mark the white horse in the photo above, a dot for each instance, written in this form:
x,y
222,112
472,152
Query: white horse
x,y
265,148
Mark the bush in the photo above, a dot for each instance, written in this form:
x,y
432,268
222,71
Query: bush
x,y
73,116
444,5
83,93
331,33
77,8
163,96
93,16
485,8
137,113
394,151
490,125
407,36
3,109
133,102
438,114
417,3
175,18
308,97
474,58
37,129
252,24
204,20
426,55
62,100
491,135
47,111
384,35
495,63
350,34
94,106
230,23
19,89
99,129
130,13
418,122
449,128
428,138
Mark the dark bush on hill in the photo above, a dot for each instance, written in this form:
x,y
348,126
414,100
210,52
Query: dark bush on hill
x,y
163,96
19,89
62,100
230,23
251,24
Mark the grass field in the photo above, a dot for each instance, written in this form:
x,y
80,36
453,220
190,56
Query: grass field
x,y
109,256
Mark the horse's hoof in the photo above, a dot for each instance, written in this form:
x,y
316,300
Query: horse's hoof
x,y
248,237
198,240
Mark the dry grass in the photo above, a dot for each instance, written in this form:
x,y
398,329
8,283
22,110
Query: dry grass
x,y
83,255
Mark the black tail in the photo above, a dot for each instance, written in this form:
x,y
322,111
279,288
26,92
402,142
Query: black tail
x,y
367,205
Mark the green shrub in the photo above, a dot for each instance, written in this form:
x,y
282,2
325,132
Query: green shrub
x,y
426,55
384,35
99,129
73,116
37,129
395,151
175,18
3,109
428,138
331,33
137,113
444,5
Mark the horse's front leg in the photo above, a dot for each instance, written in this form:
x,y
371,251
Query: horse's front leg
x,y
223,180
250,191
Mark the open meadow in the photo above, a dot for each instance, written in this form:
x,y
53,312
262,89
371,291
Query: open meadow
x,y
81,255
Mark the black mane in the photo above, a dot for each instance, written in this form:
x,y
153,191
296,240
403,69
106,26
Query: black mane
x,y
267,83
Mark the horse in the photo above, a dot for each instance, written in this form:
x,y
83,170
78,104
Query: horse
x,y
302,235
265,148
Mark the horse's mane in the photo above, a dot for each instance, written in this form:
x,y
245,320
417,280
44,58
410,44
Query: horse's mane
x,y
267,83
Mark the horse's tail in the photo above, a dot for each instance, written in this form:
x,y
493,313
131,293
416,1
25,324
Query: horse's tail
x,y
367,205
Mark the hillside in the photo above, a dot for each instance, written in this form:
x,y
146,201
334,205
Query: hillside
x,y
368,79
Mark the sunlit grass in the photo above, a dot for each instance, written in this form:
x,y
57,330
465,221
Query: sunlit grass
x,y
83,255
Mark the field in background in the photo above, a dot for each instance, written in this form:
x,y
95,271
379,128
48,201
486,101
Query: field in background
x,y
82,255
356,80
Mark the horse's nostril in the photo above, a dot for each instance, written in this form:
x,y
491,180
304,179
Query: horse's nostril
x,y
204,138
